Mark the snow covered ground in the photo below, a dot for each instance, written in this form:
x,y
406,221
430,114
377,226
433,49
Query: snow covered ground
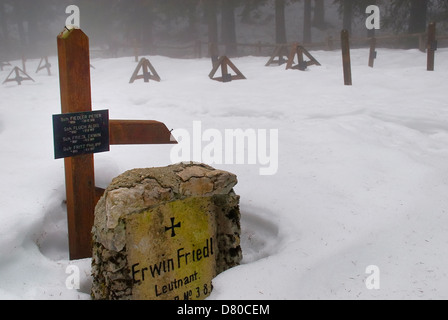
x,y
362,174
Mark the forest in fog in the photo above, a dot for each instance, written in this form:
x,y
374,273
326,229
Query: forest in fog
x,y
31,26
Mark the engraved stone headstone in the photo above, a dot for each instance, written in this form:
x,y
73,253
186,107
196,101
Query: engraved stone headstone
x,y
165,233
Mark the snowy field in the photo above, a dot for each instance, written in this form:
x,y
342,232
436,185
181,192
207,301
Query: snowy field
x,y
362,173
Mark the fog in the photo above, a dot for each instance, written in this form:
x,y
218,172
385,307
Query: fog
x,y
185,28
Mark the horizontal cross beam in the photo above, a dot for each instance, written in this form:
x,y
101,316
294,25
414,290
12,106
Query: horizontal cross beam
x,y
139,132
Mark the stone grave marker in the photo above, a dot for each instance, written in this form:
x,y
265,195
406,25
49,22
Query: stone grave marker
x,y
165,233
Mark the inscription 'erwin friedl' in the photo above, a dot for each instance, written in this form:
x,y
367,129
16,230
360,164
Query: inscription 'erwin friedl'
x,y
182,259
172,250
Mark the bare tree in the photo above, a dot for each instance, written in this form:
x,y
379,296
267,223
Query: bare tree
x,y
228,34
347,15
280,24
307,22
319,14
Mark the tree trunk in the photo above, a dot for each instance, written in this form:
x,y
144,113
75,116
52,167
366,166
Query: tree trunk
x,y
319,14
33,27
4,31
20,28
146,17
228,27
347,15
280,25
193,21
212,20
307,22
249,6
417,19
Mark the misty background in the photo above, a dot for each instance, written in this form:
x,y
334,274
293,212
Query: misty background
x,y
185,28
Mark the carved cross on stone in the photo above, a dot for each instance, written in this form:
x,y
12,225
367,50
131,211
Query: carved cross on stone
x,y
173,226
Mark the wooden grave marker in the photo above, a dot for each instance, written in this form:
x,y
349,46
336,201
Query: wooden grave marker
x,y
300,51
224,62
280,52
147,69
23,63
431,46
82,195
372,52
213,51
346,60
20,76
44,64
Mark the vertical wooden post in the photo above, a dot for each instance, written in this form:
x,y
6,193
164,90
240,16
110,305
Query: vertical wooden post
x,y
372,53
346,57
74,76
431,46
198,49
329,41
421,42
23,63
225,73
213,52
135,49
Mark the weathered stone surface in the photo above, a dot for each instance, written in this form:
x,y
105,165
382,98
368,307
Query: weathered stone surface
x,y
165,233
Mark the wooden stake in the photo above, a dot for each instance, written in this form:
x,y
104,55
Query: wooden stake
x,y
372,53
74,76
431,46
345,43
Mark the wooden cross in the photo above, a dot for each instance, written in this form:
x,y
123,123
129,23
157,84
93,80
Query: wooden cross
x,y
82,195
147,68
44,64
224,62
280,51
20,76
300,51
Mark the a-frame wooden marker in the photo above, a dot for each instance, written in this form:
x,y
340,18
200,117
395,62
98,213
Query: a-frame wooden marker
x,y
280,52
82,195
297,49
147,68
44,64
224,63
20,76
